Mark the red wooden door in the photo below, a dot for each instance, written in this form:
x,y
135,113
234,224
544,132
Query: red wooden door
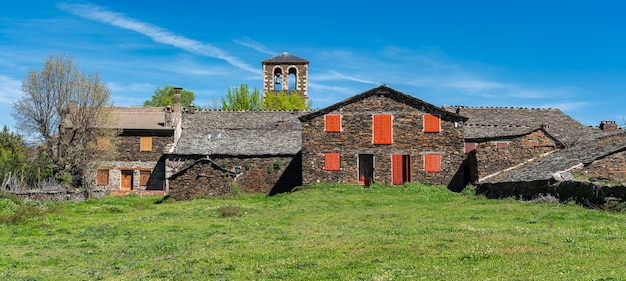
x,y
127,180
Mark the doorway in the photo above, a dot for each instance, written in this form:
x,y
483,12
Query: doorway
x,y
366,169
401,168
127,179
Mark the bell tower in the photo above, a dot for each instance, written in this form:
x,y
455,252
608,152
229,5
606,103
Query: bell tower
x,y
285,72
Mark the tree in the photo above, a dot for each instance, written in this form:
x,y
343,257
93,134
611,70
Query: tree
x,y
165,97
12,153
285,101
68,111
241,99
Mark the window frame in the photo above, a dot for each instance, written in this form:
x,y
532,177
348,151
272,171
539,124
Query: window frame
x,y
331,125
145,143
382,128
428,117
432,162
103,173
332,161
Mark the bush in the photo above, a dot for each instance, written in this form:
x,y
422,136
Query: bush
x,y
230,211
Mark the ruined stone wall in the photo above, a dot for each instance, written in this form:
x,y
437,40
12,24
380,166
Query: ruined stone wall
x,y
612,167
252,174
356,138
201,178
491,159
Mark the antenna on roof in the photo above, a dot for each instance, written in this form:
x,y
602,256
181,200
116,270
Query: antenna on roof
x,y
284,47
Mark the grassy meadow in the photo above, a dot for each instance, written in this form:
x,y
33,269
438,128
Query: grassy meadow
x,y
337,232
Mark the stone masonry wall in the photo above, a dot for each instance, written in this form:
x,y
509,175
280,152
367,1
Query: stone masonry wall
x,y
128,147
612,167
257,174
202,178
356,138
490,159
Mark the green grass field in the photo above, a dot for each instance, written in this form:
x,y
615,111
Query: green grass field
x,y
324,232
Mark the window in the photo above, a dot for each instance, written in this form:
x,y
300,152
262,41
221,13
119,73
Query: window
x,y
331,161
333,122
103,177
470,146
502,144
432,163
145,144
103,143
144,177
432,123
382,129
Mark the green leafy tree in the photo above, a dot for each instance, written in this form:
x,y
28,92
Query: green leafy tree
x,y
165,97
240,98
12,152
285,101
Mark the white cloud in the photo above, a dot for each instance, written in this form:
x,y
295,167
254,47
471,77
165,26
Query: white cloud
x,y
250,43
334,75
11,89
156,33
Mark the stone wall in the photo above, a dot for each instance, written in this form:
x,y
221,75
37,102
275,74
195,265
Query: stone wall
x,y
128,146
612,167
61,195
356,138
490,159
115,168
252,174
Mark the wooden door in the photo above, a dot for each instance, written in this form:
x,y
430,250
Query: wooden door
x,y
366,169
127,180
401,169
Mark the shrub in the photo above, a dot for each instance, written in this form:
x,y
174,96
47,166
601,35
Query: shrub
x,y
230,211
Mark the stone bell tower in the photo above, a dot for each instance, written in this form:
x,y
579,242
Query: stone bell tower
x,y
285,72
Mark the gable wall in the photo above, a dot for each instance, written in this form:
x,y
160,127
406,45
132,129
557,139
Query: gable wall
x,y
489,159
356,138
612,167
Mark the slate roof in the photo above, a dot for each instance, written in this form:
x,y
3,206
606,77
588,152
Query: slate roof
x,y
151,118
285,58
562,160
240,133
392,94
494,122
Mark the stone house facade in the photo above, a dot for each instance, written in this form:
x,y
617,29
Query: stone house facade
x,y
258,151
383,136
138,166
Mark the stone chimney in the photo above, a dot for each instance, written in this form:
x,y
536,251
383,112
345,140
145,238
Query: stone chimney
x,y
192,109
168,117
178,109
607,125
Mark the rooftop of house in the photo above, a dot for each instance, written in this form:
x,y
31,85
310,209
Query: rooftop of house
x,y
240,133
494,122
285,58
136,118
391,93
563,160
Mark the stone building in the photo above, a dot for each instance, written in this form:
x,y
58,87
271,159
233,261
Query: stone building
x,y
601,158
499,138
383,136
285,72
252,151
139,165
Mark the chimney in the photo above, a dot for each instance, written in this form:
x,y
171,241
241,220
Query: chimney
x,y
177,106
168,116
192,108
607,125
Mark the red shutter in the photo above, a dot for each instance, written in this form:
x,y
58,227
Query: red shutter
x,y
397,168
432,163
432,123
534,143
333,123
331,161
382,129
502,144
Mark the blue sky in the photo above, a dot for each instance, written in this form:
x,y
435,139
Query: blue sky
x,y
558,54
